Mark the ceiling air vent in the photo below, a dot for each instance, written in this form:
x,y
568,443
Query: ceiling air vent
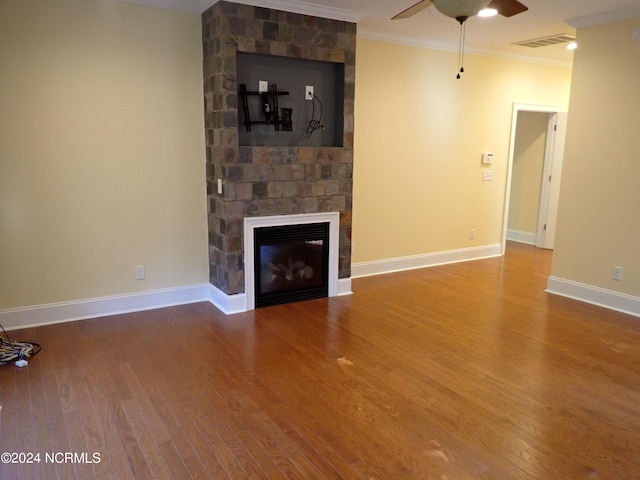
x,y
546,41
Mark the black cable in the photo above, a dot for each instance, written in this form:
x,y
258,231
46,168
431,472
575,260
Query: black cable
x,y
11,350
313,123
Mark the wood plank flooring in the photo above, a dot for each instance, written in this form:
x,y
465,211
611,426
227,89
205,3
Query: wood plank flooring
x,y
465,371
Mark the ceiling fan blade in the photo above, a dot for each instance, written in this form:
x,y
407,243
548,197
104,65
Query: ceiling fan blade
x,y
508,8
412,10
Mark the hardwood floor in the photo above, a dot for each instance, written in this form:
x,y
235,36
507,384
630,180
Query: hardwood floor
x,y
465,371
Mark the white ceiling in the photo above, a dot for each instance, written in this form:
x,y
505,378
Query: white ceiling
x,y
484,36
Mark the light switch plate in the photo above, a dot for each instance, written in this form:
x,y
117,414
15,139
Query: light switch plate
x,y
488,176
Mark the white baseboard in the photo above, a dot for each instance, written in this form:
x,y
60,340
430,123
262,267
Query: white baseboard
x,y
597,296
344,287
379,267
522,237
39,315
227,304
52,313
231,304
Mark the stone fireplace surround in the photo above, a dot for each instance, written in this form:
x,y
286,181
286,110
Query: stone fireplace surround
x,y
269,181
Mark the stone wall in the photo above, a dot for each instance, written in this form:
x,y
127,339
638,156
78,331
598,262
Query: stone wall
x,y
263,181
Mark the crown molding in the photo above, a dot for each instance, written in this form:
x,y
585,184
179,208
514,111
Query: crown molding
x,y
409,42
294,6
191,6
607,17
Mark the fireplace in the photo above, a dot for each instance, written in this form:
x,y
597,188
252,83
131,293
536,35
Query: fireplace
x,y
291,263
290,258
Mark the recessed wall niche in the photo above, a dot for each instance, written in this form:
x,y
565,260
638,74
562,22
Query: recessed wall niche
x,y
318,122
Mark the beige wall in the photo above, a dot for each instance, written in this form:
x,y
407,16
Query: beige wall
x,y
598,219
419,137
101,152
526,177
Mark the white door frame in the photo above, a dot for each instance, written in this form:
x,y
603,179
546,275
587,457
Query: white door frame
x,y
545,187
551,151
553,178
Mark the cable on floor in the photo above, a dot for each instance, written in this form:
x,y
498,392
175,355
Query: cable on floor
x,y
12,351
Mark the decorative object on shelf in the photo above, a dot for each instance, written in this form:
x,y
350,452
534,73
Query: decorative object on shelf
x,y
269,106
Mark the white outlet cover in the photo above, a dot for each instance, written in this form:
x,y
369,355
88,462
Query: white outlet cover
x,y
140,272
617,273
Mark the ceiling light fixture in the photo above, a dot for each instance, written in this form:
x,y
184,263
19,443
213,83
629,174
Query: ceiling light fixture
x,y
488,12
460,9
572,46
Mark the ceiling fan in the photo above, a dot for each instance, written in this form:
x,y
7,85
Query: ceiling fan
x,y
463,9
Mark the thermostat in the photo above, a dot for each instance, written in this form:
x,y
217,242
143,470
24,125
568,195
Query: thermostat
x,y
487,158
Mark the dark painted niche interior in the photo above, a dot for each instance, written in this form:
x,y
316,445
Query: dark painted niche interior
x,y
293,76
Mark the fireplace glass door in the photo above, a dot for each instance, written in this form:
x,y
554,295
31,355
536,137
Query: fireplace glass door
x,y
291,263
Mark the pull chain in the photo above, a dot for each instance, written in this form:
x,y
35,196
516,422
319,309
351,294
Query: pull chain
x,y
463,36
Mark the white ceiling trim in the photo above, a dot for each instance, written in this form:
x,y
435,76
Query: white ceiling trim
x,y
371,35
192,6
294,6
608,17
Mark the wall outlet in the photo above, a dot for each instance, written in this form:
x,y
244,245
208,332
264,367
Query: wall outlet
x,y
617,274
308,92
140,272
472,234
263,86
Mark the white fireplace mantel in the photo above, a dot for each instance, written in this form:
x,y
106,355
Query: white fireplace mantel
x,y
252,223
243,302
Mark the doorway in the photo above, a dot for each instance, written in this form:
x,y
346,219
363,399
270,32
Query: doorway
x,y
533,176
